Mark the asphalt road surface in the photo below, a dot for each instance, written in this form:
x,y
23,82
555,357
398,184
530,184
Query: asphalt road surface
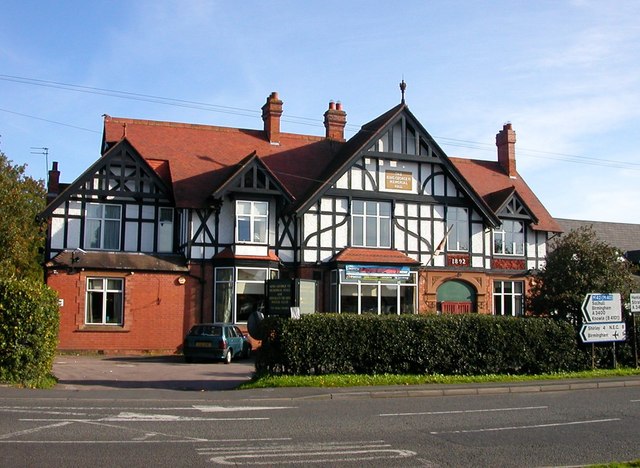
x,y
145,426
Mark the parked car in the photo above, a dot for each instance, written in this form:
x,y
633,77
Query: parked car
x,y
221,341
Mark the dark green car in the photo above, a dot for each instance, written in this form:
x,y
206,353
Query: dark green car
x,y
219,341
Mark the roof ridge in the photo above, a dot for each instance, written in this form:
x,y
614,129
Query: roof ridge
x,y
207,127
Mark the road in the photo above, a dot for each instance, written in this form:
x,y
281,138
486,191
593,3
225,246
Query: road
x,y
151,427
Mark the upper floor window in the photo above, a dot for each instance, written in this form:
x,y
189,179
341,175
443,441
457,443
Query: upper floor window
x,y
371,223
509,238
102,226
165,230
251,221
458,225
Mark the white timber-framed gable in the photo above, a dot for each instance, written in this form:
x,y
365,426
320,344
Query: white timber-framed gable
x,y
398,164
119,204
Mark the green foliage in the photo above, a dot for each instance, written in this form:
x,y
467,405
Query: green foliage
x,y
450,345
578,264
29,324
21,236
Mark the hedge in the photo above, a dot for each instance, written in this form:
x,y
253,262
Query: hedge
x,y
451,345
29,324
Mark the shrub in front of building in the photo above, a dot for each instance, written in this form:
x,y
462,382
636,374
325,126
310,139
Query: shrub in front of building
x,y
468,344
29,324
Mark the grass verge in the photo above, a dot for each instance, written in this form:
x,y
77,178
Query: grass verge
x,y
351,380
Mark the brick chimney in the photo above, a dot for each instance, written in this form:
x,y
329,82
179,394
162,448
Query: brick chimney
x,y
53,184
271,113
334,121
506,143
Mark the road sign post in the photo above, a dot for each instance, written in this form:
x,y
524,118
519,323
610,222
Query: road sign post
x,y
634,299
602,308
602,314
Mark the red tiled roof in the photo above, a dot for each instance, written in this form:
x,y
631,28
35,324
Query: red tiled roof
x,y
201,157
492,183
384,256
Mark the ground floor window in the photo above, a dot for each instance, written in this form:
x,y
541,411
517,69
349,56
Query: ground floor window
x,y
508,297
104,301
240,291
361,296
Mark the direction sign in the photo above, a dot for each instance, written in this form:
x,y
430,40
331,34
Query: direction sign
x,y
635,303
601,308
600,332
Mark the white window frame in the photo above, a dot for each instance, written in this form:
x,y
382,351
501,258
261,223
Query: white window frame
x,y
458,228
514,299
105,290
339,279
364,218
102,220
508,241
254,218
233,283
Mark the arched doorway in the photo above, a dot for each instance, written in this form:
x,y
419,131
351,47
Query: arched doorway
x,y
456,297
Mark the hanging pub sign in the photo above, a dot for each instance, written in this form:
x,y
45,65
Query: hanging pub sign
x,y
377,272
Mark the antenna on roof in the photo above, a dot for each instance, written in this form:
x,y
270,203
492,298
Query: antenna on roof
x,y
44,151
403,87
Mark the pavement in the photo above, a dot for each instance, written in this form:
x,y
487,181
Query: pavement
x,y
103,374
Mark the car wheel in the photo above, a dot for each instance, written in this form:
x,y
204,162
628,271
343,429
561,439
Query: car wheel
x,y
228,356
188,359
247,352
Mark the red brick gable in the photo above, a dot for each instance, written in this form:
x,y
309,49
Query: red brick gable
x,y
488,178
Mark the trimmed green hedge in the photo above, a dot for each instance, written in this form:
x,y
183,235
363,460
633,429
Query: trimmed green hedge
x,y
452,345
29,324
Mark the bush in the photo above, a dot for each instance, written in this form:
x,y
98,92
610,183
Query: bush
x,y
451,345
29,324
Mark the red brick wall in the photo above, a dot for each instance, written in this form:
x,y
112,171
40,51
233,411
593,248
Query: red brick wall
x,y
158,310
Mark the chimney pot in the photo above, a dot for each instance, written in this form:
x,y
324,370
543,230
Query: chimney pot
x,y
335,120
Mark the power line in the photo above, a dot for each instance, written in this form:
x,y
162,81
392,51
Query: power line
x,y
453,142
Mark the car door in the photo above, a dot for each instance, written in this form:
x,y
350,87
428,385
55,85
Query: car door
x,y
235,341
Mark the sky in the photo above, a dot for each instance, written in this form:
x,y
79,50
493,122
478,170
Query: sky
x,y
566,74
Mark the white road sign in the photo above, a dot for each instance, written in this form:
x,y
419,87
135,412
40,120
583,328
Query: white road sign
x,y
601,332
635,303
601,308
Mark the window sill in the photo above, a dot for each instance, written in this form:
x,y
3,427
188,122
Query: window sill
x,y
103,328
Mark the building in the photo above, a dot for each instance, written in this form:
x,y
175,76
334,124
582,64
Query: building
x,y
178,223
623,236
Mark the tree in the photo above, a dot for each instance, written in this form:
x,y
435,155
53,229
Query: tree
x,y
577,264
21,236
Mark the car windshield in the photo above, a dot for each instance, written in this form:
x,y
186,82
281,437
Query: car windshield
x,y
209,330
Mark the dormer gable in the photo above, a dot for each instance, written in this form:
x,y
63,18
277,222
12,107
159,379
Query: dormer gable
x,y
252,177
513,207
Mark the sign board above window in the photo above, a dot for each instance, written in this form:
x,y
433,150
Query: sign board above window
x,y
398,180
377,272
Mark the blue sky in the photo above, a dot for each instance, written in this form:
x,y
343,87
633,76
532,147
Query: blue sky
x,y
566,74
